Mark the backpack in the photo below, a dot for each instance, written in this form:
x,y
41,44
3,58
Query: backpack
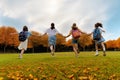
x,y
96,34
76,34
22,36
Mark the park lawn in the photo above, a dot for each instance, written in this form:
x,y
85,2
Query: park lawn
x,y
63,66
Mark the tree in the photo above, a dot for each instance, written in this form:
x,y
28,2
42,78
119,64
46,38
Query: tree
x,y
44,40
85,40
2,35
111,44
60,39
69,43
34,40
60,42
12,39
118,43
7,39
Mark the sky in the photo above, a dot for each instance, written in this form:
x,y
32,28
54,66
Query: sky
x,y
39,14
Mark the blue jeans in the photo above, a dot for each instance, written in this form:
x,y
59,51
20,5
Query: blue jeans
x,y
75,41
52,40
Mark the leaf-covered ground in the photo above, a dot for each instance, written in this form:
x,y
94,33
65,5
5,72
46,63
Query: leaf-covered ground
x,y
63,66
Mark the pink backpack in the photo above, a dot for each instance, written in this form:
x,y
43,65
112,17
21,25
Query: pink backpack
x,y
76,34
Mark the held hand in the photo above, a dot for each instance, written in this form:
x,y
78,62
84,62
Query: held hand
x,y
104,31
65,36
89,34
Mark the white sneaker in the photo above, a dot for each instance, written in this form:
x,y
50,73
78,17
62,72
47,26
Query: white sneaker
x,y
20,56
96,54
52,53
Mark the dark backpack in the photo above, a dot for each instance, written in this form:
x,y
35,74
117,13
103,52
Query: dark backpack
x,y
96,34
76,34
22,36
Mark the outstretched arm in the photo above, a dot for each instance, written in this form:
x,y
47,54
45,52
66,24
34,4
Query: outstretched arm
x,y
44,34
68,34
90,34
81,31
102,30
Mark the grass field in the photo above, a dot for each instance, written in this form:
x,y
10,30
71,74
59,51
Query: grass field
x,y
63,66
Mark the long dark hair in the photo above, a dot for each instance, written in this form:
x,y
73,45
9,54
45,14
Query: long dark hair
x,y
25,28
52,26
74,27
98,25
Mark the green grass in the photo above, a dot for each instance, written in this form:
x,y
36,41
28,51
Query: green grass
x,y
63,66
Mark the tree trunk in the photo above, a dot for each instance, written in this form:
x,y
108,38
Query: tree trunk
x,y
4,49
83,48
33,50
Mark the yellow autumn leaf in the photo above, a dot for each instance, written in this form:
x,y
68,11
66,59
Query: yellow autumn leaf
x,y
85,71
75,70
96,69
1,78
35,79
28,69
31,76
71,76
83,78
112,76
44,76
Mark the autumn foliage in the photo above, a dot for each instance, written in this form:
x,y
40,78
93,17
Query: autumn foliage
x,y
8,39
113,44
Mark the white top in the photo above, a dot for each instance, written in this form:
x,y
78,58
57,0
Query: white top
x,y
51,32
101,30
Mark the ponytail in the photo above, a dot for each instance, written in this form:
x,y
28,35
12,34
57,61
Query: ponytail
x,y
98,25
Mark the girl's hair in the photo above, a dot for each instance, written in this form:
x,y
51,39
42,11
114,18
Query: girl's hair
x,y
25,28
98,25
74,27
52,26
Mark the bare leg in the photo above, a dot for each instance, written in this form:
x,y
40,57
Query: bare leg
x,y
96,47
103,47
52,50
21,54
75,48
